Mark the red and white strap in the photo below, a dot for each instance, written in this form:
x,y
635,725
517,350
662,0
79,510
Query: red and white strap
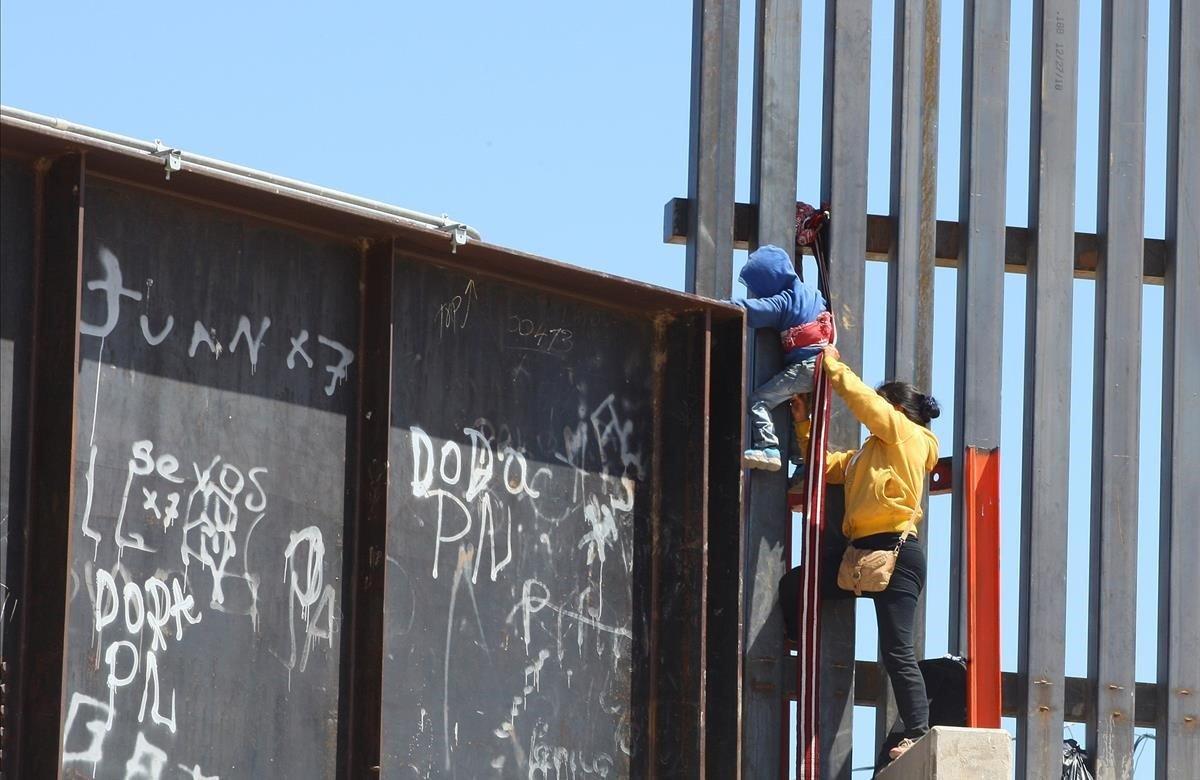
x,y
808,713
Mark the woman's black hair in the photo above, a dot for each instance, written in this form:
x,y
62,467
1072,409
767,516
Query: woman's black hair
x,y
917,406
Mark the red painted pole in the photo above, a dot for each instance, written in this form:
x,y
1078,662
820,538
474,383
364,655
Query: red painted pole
x,y
981,515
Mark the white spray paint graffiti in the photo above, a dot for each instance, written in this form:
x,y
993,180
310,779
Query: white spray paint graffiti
x,y
111,285
470,485
309,592
566,764
152,615
455,516
155,339
337,371
210,522
147,761
298,349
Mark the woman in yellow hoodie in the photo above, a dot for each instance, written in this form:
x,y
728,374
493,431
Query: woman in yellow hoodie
x,y
885,480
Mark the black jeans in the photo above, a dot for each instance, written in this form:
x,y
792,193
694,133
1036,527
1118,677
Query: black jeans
x,y
895,613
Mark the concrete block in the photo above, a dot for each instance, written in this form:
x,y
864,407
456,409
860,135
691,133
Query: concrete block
x,y
948,753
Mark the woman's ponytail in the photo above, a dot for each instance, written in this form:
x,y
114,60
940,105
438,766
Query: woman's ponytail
x,y
917,406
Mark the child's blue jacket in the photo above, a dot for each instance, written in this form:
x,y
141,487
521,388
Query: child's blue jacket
x,y
781,300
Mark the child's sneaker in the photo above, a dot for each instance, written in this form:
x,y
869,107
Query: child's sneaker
x,y
767,459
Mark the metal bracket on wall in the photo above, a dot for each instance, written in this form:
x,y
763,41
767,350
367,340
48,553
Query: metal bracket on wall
x,y
457,231
172,158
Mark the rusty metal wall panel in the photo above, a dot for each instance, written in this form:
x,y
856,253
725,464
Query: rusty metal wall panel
x,y
32,720
1116,404
725,579
712,147
1047,422
1177,749
16,354
213,487
681,633
844,189
526,501
213,506
358,742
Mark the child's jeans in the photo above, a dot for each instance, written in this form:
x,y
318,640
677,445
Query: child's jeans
x,y
793,379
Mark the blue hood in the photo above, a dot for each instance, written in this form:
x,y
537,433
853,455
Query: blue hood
x,y
781,301
768,271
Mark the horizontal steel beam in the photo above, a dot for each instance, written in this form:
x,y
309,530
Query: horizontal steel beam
x,y
868,679
949,234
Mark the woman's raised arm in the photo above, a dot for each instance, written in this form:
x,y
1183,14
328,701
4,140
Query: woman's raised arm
x,y
881,418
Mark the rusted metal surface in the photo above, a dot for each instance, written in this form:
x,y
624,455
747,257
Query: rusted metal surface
x,y
354,226
681,689
948,237
216,473
359,754
680,720
724,577
58,253
17,232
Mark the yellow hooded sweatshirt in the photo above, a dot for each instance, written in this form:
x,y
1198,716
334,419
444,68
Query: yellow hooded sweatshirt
x,y
886,477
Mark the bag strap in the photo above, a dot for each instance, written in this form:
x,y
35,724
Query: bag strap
x,y
906,533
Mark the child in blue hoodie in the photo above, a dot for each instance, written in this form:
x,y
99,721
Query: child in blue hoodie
x,y
798,311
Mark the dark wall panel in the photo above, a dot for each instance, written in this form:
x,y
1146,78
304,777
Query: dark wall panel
x,y
217,385
16,316
519,533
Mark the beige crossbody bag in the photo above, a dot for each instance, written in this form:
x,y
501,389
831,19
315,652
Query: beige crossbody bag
x,y
868,571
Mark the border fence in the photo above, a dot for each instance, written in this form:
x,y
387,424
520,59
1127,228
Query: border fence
x,y
982,248
300,485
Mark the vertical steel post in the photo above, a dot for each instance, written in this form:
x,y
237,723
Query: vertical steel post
x,y
1177,749
768,521
976,524
724,610
712,147
844,189
679,643
1121,191
909,350
366,540
37,717
1047,425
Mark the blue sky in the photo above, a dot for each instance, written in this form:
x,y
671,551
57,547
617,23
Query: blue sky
x,y
561,129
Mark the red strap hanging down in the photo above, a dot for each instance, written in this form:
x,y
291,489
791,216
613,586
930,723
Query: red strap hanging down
x,y
808,665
